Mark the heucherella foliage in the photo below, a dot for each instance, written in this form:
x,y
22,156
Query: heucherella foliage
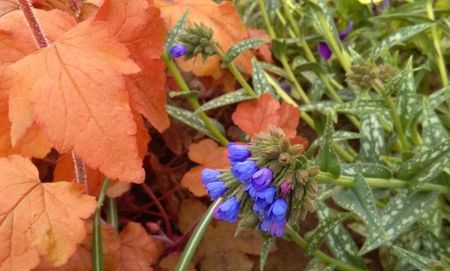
x,y
268,185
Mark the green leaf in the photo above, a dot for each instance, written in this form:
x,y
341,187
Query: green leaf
x,y
416,260
401,212
266,245
406,95
176,30
359,199
271,7
316,237
433,132
372,139
240,47
439,96
399,36
278,47
191,119
327,159
426,165
226,99
339,241
322,106
362,107
260,83
367,170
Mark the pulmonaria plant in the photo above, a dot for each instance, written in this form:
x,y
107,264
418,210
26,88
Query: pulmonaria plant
x,y
268,185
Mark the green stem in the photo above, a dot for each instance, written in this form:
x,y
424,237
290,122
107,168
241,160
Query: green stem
x,y
319,254
113,216
197,235
97,247
440,59
235,73
262,7
335,47
347,181
173,69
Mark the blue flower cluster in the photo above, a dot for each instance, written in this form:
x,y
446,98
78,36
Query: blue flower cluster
x,y
257,182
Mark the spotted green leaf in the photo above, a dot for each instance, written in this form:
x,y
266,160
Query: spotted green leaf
x,y
362,107
372,139
271,7
433,132
399,36
401,212
327,159
316,237
176,30
426,165
406,95
240,47
367,170
191,119
260,83
266,245
226,99
416,260
339,241
359,200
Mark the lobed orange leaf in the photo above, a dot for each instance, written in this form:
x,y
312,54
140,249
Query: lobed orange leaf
x,y
140,27
7,6
16,40
38,219
209,155
138,250
258,116
223,18
79,99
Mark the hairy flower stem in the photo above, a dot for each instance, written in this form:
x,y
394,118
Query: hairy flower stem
x,y
310,57
42,42
439,57
319,254
347,181
196,237
283,59
235,73
195,105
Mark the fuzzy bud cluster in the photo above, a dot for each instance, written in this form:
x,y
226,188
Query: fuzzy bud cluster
x,y
198,39
365,73
268,185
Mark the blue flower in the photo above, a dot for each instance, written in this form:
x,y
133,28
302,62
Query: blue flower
x,y
210,175
262,199
178,50
216,189
274,221
228,210
244,171
237,153
323,48
261,179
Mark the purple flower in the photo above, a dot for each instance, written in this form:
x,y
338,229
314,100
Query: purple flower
x,y
244,171
275,220
323,48
237,153
228,210
261,179
178,50
210,175
216,189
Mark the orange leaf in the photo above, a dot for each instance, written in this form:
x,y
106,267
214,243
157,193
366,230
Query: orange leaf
x,y
209,155
139,250
7,6
81,260
38,219
79,99
140,27
16,40
222,18
258,116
